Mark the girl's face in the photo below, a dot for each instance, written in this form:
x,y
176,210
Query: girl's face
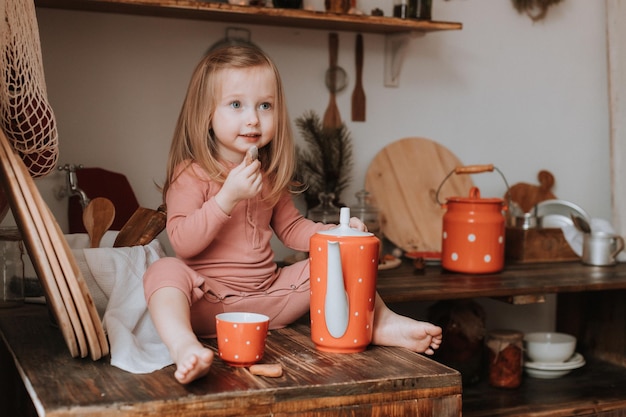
x,y
244,113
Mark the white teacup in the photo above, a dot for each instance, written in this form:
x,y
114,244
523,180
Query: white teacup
x,y
601,248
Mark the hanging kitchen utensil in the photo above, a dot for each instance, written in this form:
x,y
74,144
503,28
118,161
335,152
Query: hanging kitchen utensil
x,y
358,95
97,218
142,227
473,228
332,118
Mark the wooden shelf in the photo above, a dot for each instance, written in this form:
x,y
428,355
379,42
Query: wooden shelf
x,y
224,12
594,389
407,284
589,305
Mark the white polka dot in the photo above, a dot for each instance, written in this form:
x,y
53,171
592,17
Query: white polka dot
x,y
445,234
500,239
226,340
360,280
235,325
257,357
471,237
454,256
319,249
356,341
356,314
321,339
319,311
247,342
236,356
258,327
487,258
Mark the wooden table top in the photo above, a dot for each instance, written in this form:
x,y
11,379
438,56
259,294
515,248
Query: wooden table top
x,y
61,385
405,283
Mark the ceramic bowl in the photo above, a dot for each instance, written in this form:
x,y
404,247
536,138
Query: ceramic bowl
x,y
549,347
241,337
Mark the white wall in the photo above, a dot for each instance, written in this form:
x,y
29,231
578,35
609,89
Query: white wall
x,y
525,96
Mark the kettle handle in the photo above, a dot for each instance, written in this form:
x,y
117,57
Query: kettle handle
x,y
473,169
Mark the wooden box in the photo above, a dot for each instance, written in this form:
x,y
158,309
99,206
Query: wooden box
x,y
537,245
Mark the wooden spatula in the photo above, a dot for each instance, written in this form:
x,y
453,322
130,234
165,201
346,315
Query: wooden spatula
x,y
358,95
332,118
97,218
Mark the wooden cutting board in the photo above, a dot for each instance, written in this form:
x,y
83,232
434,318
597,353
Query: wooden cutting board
x,y
403,179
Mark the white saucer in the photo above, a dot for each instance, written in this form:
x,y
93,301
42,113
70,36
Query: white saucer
x,y
552,370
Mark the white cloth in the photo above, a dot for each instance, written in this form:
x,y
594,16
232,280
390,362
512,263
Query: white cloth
x,y
574,237
115,280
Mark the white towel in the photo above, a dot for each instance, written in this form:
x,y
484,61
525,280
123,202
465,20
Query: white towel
x,y
115,279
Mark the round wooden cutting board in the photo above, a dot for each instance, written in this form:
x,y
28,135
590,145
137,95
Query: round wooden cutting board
x,y
403,179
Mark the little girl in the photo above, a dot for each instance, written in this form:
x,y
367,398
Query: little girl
x,y
223,209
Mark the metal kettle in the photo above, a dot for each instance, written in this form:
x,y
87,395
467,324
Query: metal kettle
x,y
344,267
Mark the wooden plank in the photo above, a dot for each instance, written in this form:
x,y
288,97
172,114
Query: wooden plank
x,y
270,16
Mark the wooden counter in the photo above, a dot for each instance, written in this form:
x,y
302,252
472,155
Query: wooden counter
x,y
380,381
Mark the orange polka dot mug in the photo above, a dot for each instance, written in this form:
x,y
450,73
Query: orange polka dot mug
x,y
241,337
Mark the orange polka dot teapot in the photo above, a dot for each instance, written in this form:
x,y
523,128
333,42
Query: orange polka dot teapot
x,y
344,267
473,229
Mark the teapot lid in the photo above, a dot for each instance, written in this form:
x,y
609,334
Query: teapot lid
x,y
344,228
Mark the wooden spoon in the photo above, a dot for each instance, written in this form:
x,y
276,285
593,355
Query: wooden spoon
x,y
97,218
332,118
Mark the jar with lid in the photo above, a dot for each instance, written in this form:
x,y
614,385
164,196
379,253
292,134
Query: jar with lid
x,y
325,212
505,358
12,268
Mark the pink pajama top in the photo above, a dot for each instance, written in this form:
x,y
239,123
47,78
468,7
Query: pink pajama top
x,y
233,250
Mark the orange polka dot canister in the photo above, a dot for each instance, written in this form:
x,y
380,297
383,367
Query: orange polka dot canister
x,y
473,233
344,267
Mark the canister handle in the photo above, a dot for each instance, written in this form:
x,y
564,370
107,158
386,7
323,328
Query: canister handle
x,y
474,169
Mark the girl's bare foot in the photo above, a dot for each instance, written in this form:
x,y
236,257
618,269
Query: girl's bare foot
x,y
392,329
192,362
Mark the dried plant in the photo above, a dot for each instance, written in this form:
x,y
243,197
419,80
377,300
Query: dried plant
x,y
325,164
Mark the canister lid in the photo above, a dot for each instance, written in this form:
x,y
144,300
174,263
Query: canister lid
x,y
474,197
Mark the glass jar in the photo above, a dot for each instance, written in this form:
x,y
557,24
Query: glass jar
x,y
413,9
12,268
505,358
367,212
325,212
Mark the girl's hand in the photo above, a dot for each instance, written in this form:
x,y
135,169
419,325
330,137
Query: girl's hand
x,y
243,182
356,223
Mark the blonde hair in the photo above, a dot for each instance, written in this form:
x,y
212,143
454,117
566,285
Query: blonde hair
x,y
193,141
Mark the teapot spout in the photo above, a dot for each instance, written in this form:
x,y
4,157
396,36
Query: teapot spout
x,y
336,307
